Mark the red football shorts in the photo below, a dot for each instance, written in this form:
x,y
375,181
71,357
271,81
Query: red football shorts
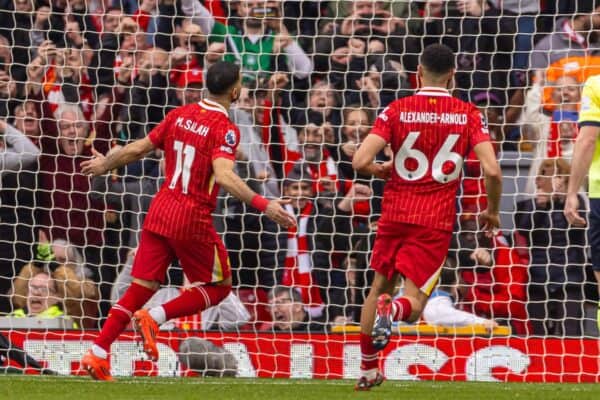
x,y
416,252
202,261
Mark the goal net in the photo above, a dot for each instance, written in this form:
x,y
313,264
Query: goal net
x,y
83,76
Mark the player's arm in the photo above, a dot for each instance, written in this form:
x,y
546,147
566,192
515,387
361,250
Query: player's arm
x,y
232,183
99,164
493,184
363,160
583,153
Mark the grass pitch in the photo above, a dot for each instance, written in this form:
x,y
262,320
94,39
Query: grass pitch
x,y
79,388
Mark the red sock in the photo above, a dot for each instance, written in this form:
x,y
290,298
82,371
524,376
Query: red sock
x,y
403,309
120,314
368,355
195,299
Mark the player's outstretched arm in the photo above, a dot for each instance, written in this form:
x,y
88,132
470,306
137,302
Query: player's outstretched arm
x,y
492,173
231,182
585,146
99,164
363,162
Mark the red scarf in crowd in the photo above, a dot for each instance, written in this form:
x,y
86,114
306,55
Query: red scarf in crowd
x,y
574,36
298,262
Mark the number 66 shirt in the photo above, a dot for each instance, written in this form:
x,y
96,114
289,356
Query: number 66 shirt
x,y
430,134
191,136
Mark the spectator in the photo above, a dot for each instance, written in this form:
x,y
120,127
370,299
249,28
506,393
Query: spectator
x,y
150,97
571,37
121,42
473,197
62,252
373,23
289,314
59,75
16,28
322,234
340,59
261,154
8,84
18,167
494,276
41,298
255,41
384,82
480,35
17,151
316,155
322,106
526,14
68,212
189,86
129,197
54,290
553,133
557,254
190,51
70,215
356,123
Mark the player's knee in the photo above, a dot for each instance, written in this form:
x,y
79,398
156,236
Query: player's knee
x,y
415,315
152,285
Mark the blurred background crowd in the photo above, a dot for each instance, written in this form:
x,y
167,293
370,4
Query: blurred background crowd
x,y
83,74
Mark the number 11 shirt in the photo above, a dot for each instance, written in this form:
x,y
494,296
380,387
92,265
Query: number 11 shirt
x,y
191,136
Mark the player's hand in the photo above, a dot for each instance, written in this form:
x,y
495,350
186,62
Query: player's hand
x,y
571,213
277,213
384,170
95,166
489,222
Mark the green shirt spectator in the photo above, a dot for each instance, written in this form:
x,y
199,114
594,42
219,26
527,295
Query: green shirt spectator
x,y
255,45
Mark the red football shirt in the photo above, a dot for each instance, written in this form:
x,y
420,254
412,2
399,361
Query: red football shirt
x,y
191,136
430,134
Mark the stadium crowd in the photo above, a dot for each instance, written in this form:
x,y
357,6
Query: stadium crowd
x,y
79,75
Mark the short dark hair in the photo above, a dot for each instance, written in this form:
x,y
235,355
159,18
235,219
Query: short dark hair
x,y
292,293
221,76
437,59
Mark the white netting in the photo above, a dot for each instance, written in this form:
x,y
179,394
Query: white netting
x,y
81,74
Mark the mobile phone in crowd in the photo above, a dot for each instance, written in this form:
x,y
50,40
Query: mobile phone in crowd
x,y
265,12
